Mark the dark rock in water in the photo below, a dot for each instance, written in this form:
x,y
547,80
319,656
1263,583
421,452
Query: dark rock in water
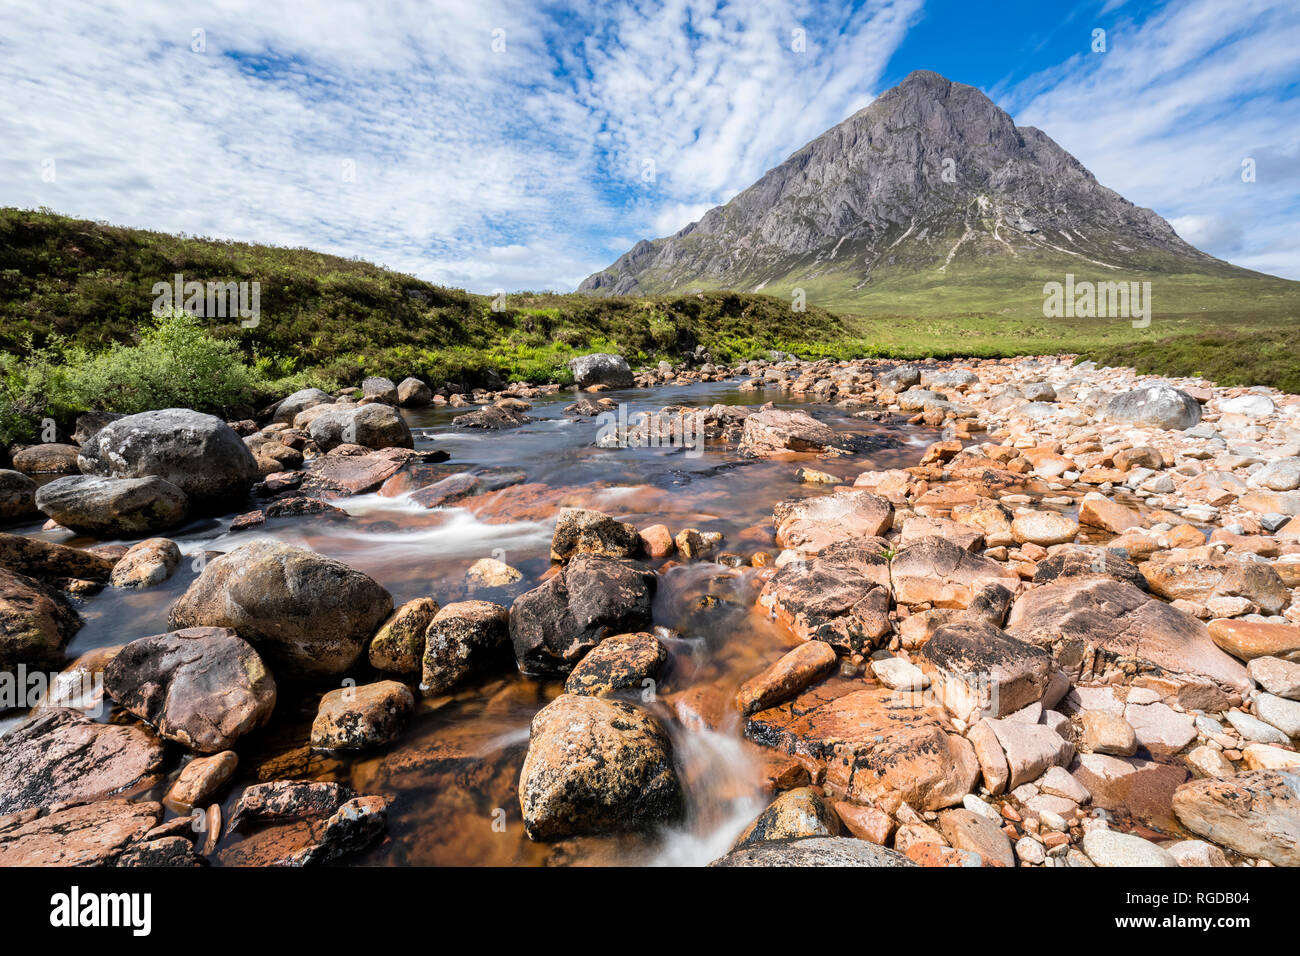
x,y
794,814
601,368
358,718
623,662
112,507
46,560
814,851
448,491
150,562
585,408
17,495
580,531
1154,406
302,823
596,766
204,687
463,639
338,476
412,393
308,615
593,597
89,424
62,756
199,454
492,417
50,458
398,645
91,834
163,851
1081,561
282,800
776,431
36,622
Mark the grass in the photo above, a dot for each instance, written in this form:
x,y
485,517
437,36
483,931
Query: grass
x,y
75,293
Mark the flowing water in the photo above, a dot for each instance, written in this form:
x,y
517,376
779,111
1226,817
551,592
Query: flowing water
x,y
453,775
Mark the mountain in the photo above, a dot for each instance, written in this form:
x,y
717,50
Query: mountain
x,y
930,186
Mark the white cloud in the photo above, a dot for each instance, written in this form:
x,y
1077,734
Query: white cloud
x,y
1168,114
395,133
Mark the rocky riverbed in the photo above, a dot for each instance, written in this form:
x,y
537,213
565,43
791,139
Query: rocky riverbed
x,y
1002,613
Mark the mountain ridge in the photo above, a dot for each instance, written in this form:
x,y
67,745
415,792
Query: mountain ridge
x,y
930,174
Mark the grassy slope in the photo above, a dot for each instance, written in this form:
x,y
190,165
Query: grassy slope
x,y
92,284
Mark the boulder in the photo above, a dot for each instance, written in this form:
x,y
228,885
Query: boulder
x,y
17,495
580,531
464,639
591,598
938,572
203,687
977,833
379,389
398,645
150,562
307,614
376,426
601,368
841,596
873,742
814,851
1081,561
1044,528
1247,640
62,756
813,524
50,458
412,393
1192,576
777,431
1107,733
51,562
622,662
1256,813
360,718
201,778
492,417
1030,749
899,378
36,622
787,677
596,766
113,507
88,834
1099,511
1153,406
978,670
797,813
1276,676
1112,848
301,400
1095,625
199,454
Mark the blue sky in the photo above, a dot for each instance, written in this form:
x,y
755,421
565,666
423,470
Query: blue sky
x,y
497,144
